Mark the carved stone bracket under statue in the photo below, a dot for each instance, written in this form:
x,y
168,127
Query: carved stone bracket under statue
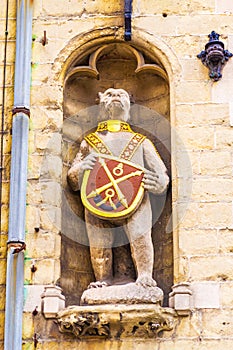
x,y
116,321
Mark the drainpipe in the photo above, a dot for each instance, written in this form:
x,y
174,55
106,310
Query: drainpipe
x,y
128,15
18,178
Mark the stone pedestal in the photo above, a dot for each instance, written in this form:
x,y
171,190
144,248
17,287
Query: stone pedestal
x,y
130,293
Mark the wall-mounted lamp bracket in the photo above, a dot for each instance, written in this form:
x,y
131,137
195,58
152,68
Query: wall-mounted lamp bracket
x,y
214,56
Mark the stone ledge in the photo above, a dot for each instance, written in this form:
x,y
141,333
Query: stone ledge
x,y
116,321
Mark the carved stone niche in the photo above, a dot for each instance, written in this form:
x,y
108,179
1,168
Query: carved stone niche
x,y
116,321
142,75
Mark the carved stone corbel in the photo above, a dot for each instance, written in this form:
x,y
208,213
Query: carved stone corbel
x,y
116,321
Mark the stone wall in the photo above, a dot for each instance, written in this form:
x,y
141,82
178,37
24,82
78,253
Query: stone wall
x,y
201,118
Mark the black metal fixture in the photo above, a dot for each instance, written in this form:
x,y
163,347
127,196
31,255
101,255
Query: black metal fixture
x,y
214,57
44,40
128,14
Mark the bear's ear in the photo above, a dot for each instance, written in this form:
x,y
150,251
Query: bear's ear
x,y
100,94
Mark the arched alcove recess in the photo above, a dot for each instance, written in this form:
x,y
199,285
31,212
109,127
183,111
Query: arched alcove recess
x,y
143,75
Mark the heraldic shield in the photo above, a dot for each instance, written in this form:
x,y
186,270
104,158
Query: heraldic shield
x,y
113,188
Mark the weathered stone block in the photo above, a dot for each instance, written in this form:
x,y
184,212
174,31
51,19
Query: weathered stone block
x,y
165,26
3,246
28,326
9,74
185,26
51,168
215,163
33,298
193,92
226,296
211,268
205,215
50,218
186,163
192,242
32,218
101,6
224,138
213,189
10,56
49,96
44,273
33,193
2,297
43,118
206,295
41,244
29,345
180,344
2,320
182,271
217,323
224,6
42,140
196,73
177,7
221,93
5,192
191,45
231,113
202,114
196,138
4,218
12,10
189,326
50,51
41,72
51,193
72,7
35,162
225,241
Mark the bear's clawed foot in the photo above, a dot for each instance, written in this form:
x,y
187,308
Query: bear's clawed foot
x,y
98,284
146,281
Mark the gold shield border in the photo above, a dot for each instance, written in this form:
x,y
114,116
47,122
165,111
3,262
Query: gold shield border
x,y
122,214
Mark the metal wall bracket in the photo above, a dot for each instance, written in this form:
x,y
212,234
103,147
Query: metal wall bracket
x,y
128,14
214,56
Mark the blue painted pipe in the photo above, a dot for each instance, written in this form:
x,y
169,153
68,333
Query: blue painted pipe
x,y
18,178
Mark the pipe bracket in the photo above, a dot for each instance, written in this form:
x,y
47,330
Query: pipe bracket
x,y
17,246
21,109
